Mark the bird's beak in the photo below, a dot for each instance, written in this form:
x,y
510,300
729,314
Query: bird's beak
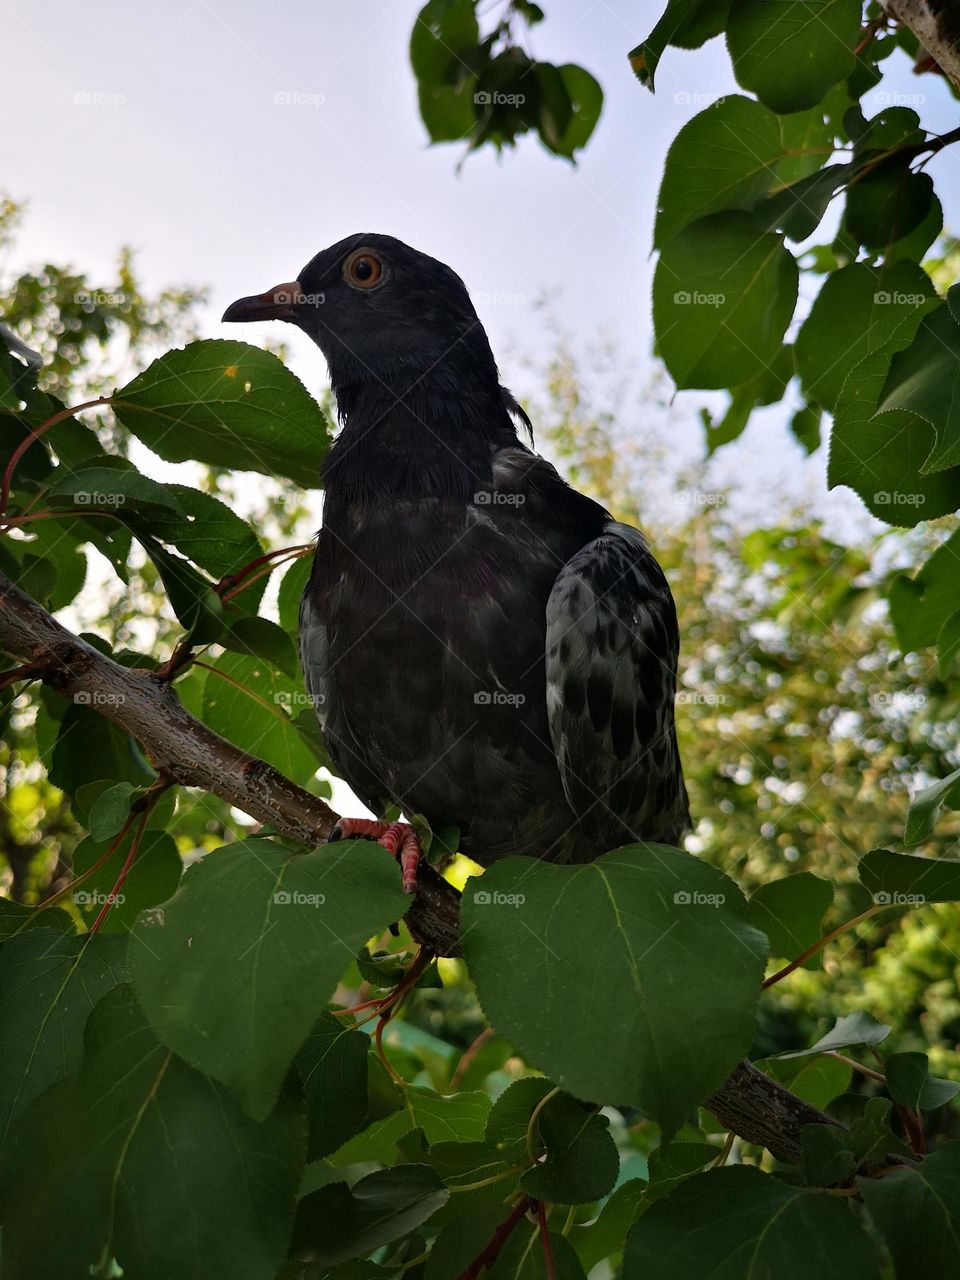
x,y
278,303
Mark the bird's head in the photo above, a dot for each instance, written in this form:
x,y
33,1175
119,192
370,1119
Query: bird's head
x,y
379,311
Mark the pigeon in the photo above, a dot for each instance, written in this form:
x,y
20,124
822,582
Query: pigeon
x,y
486,647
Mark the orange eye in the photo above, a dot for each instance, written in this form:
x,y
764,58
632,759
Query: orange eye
x,y
363,269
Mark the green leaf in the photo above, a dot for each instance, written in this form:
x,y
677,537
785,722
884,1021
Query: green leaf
x,y
89,748
887,203
797,209
132,1120
445,31
892,127
881,456
759,1225
458,1117
261,638
111,489
332,1063
522,1257
766,388
337,1223
460,1164
606,1235
918,1214
871,1137
909,1082
818,1080
586,98
234,967
448,111
791,52
227,404
902,879
805,427
724,158
212,536
509,1118
723,294
915,244
789,912
292,586
196,604
153,878
110,811
49,982
921,606
854,1028
927,805
17,917
948,650
671,1165
858,310
807,138
250,702
581,1161
461,1241
605,1022
827,1157
925,379
685,23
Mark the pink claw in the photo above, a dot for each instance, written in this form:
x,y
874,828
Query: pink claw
x,y
398,838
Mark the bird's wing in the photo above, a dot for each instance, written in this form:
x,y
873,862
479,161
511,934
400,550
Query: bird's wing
x,y
612,644
320,679
315,660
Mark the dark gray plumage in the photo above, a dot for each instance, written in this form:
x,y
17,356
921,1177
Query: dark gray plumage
x,y
485,645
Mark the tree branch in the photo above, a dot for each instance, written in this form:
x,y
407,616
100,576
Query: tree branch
x,y
936,24
184,750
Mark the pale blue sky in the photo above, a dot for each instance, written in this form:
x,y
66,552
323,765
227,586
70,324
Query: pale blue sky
x,y
177,145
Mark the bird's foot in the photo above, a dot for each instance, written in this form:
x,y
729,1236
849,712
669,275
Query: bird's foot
x,y
398,838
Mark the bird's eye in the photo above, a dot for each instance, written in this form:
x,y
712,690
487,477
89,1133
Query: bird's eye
x,y
363,269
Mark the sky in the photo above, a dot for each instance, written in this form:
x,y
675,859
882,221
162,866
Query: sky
x,y
229,142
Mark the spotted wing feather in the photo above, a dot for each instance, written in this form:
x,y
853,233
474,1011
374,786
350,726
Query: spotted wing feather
x,y
612,644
